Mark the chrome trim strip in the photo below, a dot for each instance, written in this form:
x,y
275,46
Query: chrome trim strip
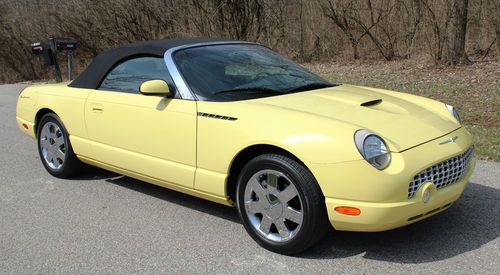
x,y
180,83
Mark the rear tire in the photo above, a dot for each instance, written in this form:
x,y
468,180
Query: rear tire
x,y
55,149
281,205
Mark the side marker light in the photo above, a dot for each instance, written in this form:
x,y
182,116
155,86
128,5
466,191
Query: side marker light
x,y
347,210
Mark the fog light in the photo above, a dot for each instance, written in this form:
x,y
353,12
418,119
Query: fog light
x,y
426,196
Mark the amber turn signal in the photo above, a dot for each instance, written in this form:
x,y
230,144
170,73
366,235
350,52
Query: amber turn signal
x,y
25,126
346,210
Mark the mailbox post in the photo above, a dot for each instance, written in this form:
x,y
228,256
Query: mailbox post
x,y
49,51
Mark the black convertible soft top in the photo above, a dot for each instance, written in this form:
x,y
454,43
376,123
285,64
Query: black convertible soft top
x,y
93,75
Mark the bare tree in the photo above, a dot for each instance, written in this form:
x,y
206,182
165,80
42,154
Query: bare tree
x,y
497,27
415,18
342,14
301,29
377,28
454,52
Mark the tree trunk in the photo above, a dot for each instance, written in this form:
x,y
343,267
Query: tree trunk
x,y
301,19
454,51
474,28
355,50
415,22
498,30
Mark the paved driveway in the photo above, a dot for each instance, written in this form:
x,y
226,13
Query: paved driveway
x,y
106,223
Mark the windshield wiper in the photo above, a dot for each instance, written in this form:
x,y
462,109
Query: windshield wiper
x,y
249,89
310,86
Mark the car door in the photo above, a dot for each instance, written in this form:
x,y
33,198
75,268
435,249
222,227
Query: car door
x,y
153,136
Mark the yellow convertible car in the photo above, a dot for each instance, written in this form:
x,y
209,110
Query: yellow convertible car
x,y
236,123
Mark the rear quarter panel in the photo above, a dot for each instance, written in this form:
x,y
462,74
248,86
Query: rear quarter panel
x,y
26,111
67,103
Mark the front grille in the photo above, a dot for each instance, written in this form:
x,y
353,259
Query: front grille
x,y
443,173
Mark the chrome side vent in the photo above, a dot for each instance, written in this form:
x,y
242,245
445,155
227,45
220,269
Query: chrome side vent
x,y
216,116
371,103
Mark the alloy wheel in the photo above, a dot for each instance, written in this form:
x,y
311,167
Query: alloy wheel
x,y
273,205
52,145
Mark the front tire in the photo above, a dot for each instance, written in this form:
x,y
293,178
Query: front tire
x,y
281,205
55,149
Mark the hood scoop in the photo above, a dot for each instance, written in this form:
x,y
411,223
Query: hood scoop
x,y
384,106
371,103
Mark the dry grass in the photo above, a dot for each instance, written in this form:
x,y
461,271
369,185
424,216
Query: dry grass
x,y
473,89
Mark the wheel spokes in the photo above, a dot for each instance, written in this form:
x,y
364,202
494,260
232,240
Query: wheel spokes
x,y
45,133
283,231
58,141
47,155
273,205
288,193
265,225
52,145
255,206
292,215
60,155
44,143
256,187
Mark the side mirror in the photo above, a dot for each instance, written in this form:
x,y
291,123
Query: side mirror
x,y
155,87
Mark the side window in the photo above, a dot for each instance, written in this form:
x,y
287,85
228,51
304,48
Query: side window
x,y
128,76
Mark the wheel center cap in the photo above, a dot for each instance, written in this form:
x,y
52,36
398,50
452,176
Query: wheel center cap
x,y
275,208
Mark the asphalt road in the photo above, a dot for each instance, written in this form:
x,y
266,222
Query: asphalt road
x,y
106,223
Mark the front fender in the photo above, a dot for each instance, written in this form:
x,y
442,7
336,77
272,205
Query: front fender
x,y
310,138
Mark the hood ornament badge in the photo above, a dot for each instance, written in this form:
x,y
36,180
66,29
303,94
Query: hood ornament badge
x,y
451,139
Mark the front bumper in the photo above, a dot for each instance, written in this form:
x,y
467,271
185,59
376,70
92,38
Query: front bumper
x,y
382,196
385,216
26,127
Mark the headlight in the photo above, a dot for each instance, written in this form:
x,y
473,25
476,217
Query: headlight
x,y
373,149
454,113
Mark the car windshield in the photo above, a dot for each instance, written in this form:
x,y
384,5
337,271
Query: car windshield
x,y
242,71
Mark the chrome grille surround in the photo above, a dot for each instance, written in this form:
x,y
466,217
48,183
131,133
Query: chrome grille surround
x,y
444,173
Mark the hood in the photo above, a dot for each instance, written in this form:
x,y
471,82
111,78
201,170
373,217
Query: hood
x,y
394,116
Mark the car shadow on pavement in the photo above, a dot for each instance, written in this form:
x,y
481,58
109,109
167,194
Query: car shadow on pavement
x,y
94,173
194,203
473,221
